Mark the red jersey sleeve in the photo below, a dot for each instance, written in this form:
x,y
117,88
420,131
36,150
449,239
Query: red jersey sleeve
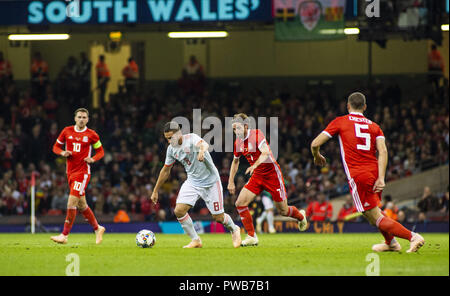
x,y
61,140
333,128
379,133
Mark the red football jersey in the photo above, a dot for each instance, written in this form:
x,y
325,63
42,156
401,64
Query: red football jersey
x,y
249,147
357,139
80,144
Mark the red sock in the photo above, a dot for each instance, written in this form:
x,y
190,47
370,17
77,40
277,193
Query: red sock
x,y
387,236
295,213
70,218
394,228
247,220
89,215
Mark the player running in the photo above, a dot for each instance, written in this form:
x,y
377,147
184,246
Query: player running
x,y
79,141
265,175
360,139
203,181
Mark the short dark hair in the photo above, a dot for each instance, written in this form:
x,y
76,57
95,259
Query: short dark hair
x,y
357,100
84,110
171,126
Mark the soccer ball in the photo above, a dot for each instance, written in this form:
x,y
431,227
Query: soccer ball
x,y
145,239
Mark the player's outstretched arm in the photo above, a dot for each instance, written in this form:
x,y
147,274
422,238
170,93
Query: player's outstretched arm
x,y
382,164
315,149
162,178
233,170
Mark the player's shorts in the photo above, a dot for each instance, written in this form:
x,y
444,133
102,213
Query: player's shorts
x,y
213,196
272,183
267,202
361,188
78,184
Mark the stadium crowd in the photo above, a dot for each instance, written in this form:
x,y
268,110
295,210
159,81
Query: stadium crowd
x,y
130,128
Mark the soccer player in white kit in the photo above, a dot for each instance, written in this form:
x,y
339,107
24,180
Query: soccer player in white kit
x,y
203,181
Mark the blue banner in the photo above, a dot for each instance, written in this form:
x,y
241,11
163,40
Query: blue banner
x,y
132,11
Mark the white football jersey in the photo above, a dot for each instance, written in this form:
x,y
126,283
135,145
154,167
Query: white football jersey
x,y
200,174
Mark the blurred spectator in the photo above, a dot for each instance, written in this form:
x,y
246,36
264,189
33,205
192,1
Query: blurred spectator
x,y
6,74
320,210
192,79
444,203
347,209
39,77
428,203
84,78
121,215
389,208
436,66
103,77
69,81
131,74
59,200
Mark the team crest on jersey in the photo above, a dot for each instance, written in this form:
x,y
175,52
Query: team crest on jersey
x,y
85,139
76,138
70,137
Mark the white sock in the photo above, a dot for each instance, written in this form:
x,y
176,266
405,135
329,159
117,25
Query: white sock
x,y
270,219
228,223
188,226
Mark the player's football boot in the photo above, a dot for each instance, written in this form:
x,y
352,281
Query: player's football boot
x,y
99,234
60,239
250,241
302,225
383,247
236,236
417,241
272,230
195,243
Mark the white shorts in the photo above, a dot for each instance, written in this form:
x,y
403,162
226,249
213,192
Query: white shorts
x,y
213,196
267,202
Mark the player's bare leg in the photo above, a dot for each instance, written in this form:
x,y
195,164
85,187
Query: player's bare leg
x,y
387,225
90,217
228,223
291,211
181,212
72,204
244,199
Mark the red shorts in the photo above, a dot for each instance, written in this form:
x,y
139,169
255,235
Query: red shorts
x,y
272,183
78,183
361,188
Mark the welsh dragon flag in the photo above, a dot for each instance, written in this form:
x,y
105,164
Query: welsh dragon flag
x,y
300,20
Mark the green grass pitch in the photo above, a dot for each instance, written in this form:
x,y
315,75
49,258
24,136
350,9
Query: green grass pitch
x,y
277,254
